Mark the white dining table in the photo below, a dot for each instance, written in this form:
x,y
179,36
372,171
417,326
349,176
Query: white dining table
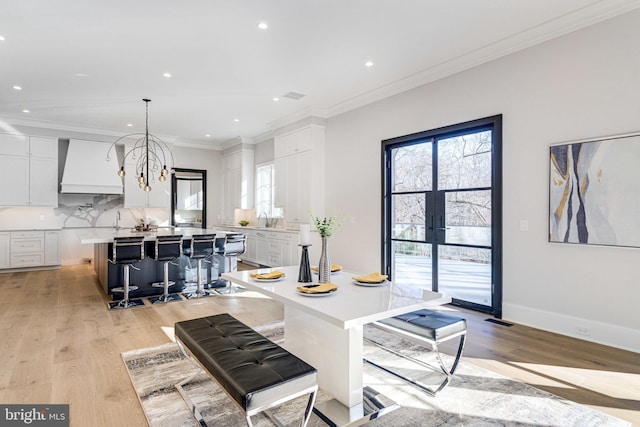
x,y
327,331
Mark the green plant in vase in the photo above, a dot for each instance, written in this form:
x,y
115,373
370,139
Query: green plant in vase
x,y
326,227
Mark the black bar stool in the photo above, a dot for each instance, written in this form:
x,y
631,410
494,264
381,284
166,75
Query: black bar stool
x,y
167,249
229,249
127,251
202,248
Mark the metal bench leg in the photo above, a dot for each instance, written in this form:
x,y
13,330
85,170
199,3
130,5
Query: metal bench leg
x,y
448,373
454,366
188,401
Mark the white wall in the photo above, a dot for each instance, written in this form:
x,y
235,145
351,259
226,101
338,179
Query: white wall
x,y
583,85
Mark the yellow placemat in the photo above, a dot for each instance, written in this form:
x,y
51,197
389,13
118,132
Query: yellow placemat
x,y
320,289
371,278
275,274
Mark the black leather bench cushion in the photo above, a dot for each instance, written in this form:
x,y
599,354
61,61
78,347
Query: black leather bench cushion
x,y
244,362
432,325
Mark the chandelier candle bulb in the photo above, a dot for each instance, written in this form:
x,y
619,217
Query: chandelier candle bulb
x,y
305,234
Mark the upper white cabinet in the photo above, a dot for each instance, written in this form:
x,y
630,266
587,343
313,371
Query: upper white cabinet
x,y
30,164
136,197
299,173
237,183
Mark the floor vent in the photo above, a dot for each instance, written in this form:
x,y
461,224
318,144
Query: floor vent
x,y
498,322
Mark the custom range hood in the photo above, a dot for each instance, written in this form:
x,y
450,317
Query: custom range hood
x,y
86,169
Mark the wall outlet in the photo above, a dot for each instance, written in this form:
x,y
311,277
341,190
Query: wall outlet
x,y
41,217
524,225
582,330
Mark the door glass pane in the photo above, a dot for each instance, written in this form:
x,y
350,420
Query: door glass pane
x,y
411,168
408,216
411,263
465,273
468,217
464,161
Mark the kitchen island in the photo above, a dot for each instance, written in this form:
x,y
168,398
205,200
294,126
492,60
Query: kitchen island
x,y
110,275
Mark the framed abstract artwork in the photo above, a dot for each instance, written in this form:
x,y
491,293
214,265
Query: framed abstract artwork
x,y
594,192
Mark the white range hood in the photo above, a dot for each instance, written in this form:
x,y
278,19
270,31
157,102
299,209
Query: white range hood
x,y
86,169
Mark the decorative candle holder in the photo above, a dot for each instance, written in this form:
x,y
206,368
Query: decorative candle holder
x,y
304,275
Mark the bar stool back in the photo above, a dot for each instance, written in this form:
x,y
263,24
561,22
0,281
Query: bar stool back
x,y
229,249
127,251
202,248
167,249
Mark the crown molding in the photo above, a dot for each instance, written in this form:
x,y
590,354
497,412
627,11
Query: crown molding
x,y
299,115
589,15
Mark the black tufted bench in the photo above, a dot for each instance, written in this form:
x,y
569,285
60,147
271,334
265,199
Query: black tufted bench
x,y
256,373
425,327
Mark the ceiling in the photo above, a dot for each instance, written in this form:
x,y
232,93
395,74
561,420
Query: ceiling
x,y
84,66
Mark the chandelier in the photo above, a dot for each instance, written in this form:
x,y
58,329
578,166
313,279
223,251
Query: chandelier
x,y
150,154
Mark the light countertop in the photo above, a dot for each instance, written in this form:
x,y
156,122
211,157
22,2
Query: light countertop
x,y
106,235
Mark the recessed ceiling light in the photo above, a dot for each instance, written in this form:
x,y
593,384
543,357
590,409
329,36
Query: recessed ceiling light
x,y
368,64
208,136
263,25
236,120
167,75
26,111
17,87
276,99
129,125
2,38
80,75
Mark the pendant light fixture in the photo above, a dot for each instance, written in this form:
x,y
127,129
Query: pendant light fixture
x,y
150,154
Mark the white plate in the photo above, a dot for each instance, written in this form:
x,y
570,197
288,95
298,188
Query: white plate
x,y
277,279
355,282
323,294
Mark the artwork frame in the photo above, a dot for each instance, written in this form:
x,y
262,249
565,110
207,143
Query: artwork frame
x,y
594,191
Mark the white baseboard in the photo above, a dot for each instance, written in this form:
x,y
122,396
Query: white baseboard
x,y
584,329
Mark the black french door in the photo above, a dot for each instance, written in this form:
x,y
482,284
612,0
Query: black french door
x,y
442,208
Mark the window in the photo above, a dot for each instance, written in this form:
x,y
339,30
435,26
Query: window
x,y
265,192
442,217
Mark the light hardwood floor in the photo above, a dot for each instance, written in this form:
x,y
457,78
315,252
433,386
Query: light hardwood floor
x,y
60,344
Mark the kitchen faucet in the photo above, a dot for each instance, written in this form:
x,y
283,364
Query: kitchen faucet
x,y
118,218
269,222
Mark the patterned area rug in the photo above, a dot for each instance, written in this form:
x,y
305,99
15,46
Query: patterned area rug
x,y
475,396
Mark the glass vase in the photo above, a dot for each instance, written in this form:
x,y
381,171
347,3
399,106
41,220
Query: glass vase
x,y
324,266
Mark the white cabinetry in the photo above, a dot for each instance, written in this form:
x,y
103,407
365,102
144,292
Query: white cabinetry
x,y
5,250
237,183
270,248
136,197
299,173
30,164
29,248
52,248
